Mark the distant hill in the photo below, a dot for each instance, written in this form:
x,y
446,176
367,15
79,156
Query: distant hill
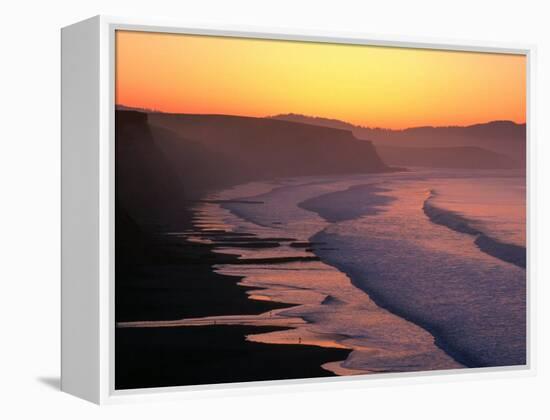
x,y
492,129
120,107
500,137
463,157
320,121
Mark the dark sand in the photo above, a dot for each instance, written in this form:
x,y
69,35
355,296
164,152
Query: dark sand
x,y
157,357
178,282
166,278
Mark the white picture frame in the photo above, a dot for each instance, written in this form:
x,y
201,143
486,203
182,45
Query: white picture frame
x,y
88,69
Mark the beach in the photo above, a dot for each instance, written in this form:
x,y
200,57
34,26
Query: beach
x,y
168,252
345,273
175,279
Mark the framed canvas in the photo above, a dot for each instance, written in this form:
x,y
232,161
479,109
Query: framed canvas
x,y
245,207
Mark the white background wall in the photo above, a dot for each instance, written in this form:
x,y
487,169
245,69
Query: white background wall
x,y
29,191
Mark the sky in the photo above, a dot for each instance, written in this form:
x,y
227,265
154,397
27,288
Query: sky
x,y
365,85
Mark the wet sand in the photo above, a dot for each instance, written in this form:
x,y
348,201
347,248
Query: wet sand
x,y
174,279
157,357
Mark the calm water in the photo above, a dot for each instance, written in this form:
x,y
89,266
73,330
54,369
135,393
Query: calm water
x,y
404,293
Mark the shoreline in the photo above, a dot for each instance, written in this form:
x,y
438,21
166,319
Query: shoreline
x,y
461,355
309,244
446,341
175,275
456,355
176,279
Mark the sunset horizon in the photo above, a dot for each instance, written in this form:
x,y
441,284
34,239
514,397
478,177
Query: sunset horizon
x,y
368,86
322,117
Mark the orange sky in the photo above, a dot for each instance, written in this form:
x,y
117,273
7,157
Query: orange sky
x,y
371,86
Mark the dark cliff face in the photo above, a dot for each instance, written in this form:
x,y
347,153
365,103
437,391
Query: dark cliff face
x,y
264,148
147,188
162,160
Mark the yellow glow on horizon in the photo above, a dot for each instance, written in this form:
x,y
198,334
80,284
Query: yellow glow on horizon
x,y
366,85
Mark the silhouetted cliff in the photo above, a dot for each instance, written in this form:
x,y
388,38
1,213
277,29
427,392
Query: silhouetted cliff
x,y
163,160
262,148
148,189
500,137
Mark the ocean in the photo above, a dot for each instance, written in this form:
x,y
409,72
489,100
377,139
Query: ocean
x,y
418,270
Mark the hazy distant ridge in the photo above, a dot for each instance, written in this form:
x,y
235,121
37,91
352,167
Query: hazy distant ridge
x,y
500,128
495,144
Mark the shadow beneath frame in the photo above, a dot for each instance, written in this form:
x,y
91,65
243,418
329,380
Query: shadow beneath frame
x,y
53,382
